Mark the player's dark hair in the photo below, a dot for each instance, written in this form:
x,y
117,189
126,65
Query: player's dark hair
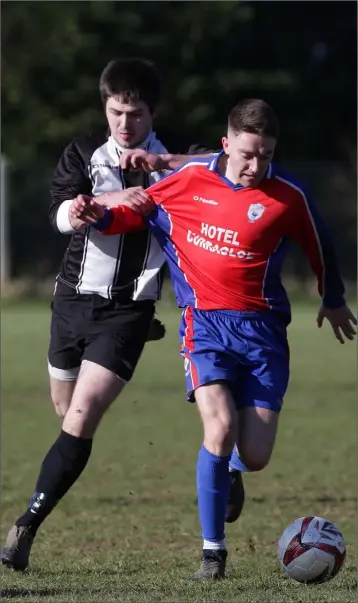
x,y
255,116
131,80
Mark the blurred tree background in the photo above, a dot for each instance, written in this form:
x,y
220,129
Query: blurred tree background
x,y
299,56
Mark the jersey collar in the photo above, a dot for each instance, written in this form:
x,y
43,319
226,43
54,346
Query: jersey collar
x,y
143,145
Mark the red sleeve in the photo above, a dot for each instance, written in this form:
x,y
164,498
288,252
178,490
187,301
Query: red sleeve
x,y
119,220
123,219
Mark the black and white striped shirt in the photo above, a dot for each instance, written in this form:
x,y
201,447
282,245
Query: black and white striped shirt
x,y
125,267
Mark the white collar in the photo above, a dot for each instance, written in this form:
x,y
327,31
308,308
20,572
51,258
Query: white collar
x,y
143,145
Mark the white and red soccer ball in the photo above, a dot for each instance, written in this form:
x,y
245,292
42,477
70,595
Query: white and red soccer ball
x,y
311,550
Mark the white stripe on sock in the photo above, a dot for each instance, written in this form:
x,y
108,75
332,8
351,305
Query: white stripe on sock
x,y
216,545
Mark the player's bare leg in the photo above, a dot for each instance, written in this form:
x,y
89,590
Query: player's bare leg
x,y
219,417
61,394
257,435
236,498
95,390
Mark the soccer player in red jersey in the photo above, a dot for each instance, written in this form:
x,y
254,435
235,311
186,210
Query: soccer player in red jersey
x,y
224,224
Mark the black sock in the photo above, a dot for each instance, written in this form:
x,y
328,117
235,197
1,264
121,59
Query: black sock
x,y
60,469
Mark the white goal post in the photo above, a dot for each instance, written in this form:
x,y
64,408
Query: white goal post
x,y
4,225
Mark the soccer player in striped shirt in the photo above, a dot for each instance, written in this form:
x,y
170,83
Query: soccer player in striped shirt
x,y
106,289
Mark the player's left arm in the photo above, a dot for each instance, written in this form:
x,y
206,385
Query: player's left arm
x,y
124,219
312,234
117,220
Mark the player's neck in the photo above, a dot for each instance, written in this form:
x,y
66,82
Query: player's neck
x,y
224,169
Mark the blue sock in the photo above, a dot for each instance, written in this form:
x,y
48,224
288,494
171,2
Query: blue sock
x,y
236,462
212,479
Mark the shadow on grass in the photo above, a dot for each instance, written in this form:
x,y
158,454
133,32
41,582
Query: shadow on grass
x,y
12,593
78,572
121,501
294,498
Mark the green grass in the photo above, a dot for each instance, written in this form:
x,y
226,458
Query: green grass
x,y
128,530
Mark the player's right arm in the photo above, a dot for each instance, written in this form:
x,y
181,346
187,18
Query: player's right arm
x,y
156,162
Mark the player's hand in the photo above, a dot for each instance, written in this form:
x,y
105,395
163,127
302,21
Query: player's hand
x,y
156,330
85,209
341,319
141,159
135,197
75,213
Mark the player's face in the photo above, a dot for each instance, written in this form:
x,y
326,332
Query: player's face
x,y
248,156
130,123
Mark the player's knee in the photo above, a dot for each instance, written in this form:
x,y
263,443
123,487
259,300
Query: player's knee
x,y
223,434
219,417
82,422
256,464
220,435
61,405
255,460
84,416
95,390
60,411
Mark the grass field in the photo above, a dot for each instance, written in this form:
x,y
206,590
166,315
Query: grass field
x,y
128,530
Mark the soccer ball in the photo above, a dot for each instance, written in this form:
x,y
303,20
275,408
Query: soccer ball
x,y
311,550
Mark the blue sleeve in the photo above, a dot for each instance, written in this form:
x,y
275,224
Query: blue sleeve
x,y
313,235
104,222
333,287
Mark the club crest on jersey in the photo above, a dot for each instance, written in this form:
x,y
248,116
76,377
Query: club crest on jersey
x,y
255,211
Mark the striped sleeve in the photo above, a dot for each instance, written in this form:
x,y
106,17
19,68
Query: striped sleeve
x,y
69,180
312,234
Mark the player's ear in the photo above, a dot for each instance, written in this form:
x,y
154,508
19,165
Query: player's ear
x,y
225,144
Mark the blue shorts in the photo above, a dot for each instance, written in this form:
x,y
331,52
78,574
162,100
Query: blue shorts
x,y
248,350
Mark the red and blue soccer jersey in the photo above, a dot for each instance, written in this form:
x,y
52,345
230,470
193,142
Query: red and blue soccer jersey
x,y
225,244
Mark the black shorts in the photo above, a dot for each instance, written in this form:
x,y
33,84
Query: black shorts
x,y
90,327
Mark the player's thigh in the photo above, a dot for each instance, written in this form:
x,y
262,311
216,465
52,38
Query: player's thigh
x,y
260,401
95,390
256,436
210,371
115,339
207,358
262,385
